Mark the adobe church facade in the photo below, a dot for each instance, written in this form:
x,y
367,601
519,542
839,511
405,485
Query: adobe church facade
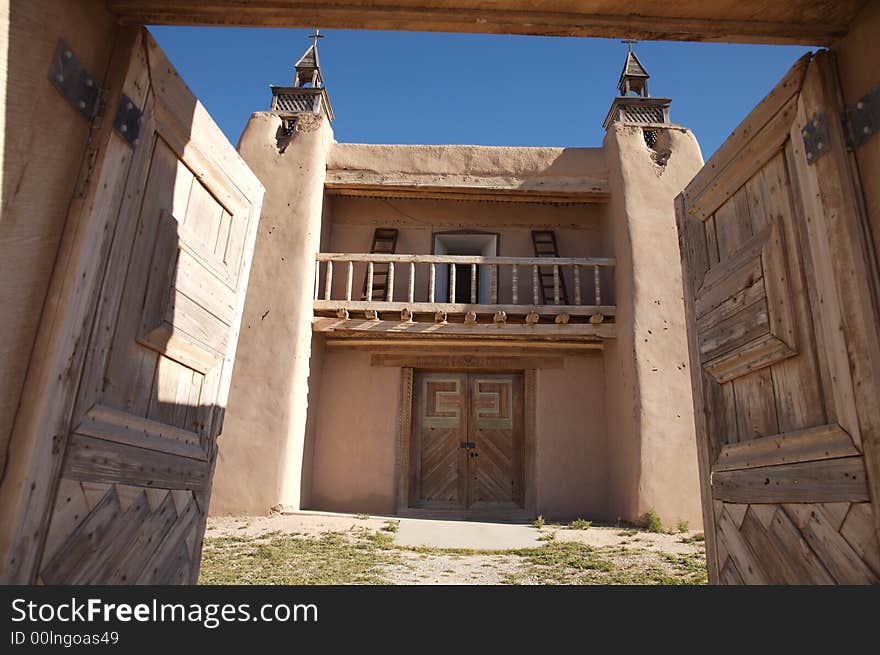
x,y
463,331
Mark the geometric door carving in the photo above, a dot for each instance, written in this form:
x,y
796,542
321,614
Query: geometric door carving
x,y
467,440
744,309
780,329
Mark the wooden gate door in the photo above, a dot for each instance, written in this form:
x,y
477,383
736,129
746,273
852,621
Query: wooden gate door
x,y
781,306
495,429
131,478
466,440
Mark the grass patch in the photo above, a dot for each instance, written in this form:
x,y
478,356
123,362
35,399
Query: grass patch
x,y
694,539
280,559
653,522
365,556
538,523
362,517
682,525
580,524
629,532
391,526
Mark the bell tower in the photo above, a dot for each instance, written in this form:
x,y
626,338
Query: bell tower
x,y
634,105
308,94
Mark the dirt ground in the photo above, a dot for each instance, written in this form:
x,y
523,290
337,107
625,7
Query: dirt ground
x,y
345,549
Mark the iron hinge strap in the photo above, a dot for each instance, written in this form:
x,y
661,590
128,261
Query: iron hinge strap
x,y
863,120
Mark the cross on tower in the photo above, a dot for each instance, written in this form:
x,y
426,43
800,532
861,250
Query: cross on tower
x,y
630,43
317,35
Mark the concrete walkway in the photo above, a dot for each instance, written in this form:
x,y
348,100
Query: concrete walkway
x,y
465,534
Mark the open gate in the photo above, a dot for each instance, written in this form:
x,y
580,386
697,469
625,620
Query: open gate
x,y
132,373
781,298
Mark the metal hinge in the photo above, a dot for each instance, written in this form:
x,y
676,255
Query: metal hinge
x,y
815,134
863,120
70,77
128,120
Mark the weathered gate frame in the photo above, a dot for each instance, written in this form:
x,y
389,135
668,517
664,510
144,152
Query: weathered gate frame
x,y
63,334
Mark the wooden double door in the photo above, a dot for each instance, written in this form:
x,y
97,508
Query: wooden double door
x,y
467,440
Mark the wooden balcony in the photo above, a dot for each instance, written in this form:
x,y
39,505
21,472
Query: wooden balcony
x,y
378,296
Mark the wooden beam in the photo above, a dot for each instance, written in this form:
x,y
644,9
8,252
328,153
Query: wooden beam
x,y
360,183
445,345
461,308
797,22
485,330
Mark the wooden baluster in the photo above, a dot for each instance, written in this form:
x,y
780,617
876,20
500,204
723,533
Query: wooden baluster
x,y
577,284
515,283
452,283
432,276
535,284
555,284
596,282
369,281
473,284
328,281
317,278
412,282
389,283
348,280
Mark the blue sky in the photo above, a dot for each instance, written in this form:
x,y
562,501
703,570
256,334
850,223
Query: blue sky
x,y
409,87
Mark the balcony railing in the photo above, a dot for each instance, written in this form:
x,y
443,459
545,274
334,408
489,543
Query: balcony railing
x,y
513,288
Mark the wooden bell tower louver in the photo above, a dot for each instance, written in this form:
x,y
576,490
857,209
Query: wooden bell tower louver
x,y
634,105
308,94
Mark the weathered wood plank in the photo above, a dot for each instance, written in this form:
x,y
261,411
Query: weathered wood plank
x,y
144,542
821,442
858,530
462,308
735,331
824,481
763,351
755,405
111,424
836,554
425,329
485,362
797,380
798,554
749,567
163,563
82,541
98,460
779,569
689,21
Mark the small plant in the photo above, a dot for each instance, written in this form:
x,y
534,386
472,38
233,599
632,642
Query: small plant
x,y
391,526
538,523
550,536
696,538
629,532
580,524
653,522
362,517
682,525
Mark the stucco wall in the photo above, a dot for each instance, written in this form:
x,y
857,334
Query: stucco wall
x,y
356,432
517,162
355,435
572,440
652,417
260,458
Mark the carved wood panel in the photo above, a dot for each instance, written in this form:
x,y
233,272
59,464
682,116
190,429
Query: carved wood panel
x,y
786,483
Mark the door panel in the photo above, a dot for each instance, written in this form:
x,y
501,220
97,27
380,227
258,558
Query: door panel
x,y
466,440
135,478
495,427
777,354
440,424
